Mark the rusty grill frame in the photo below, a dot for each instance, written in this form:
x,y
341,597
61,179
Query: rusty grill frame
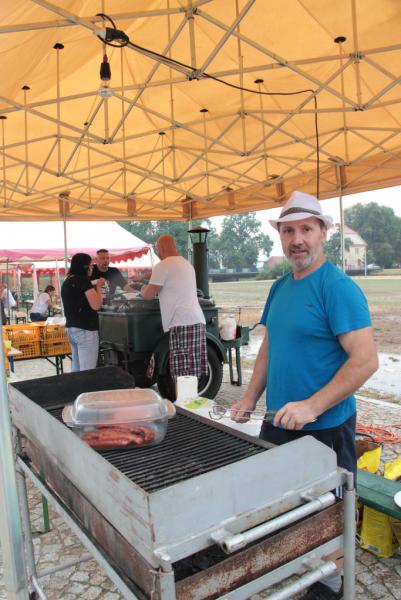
x,y
125,532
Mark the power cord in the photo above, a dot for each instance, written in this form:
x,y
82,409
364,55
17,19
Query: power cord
x,y
108,35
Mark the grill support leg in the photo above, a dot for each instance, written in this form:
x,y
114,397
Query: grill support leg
x,y
25,518
349,538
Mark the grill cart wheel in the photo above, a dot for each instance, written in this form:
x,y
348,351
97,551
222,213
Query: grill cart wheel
x,y
137,368
208,385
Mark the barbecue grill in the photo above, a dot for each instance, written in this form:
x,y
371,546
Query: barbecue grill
x,y
206,514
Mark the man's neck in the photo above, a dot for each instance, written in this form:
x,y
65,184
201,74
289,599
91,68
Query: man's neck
x,y
102,269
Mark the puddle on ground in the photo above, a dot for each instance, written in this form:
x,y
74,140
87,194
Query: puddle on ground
x,y
385,384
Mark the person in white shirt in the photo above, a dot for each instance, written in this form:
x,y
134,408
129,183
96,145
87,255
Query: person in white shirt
x,y
40,308
8,300
173,280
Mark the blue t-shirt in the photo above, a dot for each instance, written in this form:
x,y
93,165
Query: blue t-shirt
x,y
303,318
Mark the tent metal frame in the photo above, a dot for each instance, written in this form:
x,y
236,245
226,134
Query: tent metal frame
x,y
211,163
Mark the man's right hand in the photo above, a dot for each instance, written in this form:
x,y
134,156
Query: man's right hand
x,y
241,412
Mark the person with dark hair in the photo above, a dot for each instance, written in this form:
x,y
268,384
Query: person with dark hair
x,y
112,275
81,300
40,308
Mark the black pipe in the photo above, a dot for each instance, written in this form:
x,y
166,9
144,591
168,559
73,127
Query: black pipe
x,y
200,258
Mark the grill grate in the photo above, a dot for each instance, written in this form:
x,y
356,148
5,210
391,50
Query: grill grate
x,y
190,448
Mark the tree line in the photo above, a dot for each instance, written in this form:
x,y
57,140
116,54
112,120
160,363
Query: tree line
x,y
241,239
236,246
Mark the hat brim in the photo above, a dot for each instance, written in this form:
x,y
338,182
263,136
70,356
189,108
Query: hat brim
x,y
327,220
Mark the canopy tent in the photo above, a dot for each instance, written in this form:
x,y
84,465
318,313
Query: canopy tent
x,y
46,243
167,140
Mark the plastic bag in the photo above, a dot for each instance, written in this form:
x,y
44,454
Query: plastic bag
x,y
392,470
376,533
369,460
380,533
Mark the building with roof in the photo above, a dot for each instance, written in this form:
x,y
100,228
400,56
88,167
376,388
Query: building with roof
x,y
355,255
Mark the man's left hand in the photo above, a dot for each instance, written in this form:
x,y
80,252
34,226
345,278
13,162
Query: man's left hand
x,y
295,415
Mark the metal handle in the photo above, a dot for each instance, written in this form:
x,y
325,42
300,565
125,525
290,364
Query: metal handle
x,y
218,411
303,582
230,543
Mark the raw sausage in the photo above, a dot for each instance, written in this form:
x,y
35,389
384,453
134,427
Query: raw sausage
x,y
118,436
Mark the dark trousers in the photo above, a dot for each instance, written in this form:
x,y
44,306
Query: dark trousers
x,y
341,439
37,317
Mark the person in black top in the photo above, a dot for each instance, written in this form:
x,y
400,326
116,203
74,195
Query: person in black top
x,y
112,275
81,300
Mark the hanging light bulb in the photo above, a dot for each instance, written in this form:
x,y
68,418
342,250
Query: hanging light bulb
x,y
105,76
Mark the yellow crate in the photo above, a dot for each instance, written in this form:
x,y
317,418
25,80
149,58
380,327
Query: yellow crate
x,y
55,348
54,340
21,333
29,349
53,333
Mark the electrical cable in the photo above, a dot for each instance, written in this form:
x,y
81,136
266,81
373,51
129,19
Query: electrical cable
x,y
197,75
379,433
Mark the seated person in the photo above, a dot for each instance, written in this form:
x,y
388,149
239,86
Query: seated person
x,y
40,308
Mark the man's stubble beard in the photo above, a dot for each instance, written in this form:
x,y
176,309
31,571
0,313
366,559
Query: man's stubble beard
x,y
305,264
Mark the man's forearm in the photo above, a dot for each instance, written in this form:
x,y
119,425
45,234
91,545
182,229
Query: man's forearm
x,y
345,382
257,383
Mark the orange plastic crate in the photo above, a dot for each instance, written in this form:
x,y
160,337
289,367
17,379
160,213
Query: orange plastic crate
x,y
21,333
29,349
53,332
54,340
53,348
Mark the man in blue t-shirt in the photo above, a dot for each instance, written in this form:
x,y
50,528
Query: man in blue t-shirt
x,y
317,350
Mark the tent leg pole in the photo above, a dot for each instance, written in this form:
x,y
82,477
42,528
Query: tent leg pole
x,y
12,540
25,516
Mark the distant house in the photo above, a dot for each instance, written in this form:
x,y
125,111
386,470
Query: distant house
x,y
272,261
356,254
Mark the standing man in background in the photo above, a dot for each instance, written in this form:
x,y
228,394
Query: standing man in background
x,y
112,275
318,349
173,280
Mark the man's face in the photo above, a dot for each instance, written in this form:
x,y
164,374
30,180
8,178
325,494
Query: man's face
x,y
302,242
103,261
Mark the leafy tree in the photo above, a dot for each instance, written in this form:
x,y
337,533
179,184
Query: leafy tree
x,y
332,247
276,271
241,240
149,231
385,254
380,228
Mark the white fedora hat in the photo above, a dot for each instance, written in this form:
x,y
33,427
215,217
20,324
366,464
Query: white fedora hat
x,y
301,206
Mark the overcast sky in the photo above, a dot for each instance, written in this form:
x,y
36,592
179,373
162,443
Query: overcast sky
x,y
388,197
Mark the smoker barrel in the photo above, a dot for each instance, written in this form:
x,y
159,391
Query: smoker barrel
x,y
131,333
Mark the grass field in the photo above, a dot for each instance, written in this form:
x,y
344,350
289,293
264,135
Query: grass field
x,y
382,293
245,299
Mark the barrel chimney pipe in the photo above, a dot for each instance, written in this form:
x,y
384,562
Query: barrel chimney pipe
x,y
199,258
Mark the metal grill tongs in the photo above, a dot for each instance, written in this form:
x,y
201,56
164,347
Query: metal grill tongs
x,y
219,411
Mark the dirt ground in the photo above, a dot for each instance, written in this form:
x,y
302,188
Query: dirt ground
x,y
387,330
386,325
